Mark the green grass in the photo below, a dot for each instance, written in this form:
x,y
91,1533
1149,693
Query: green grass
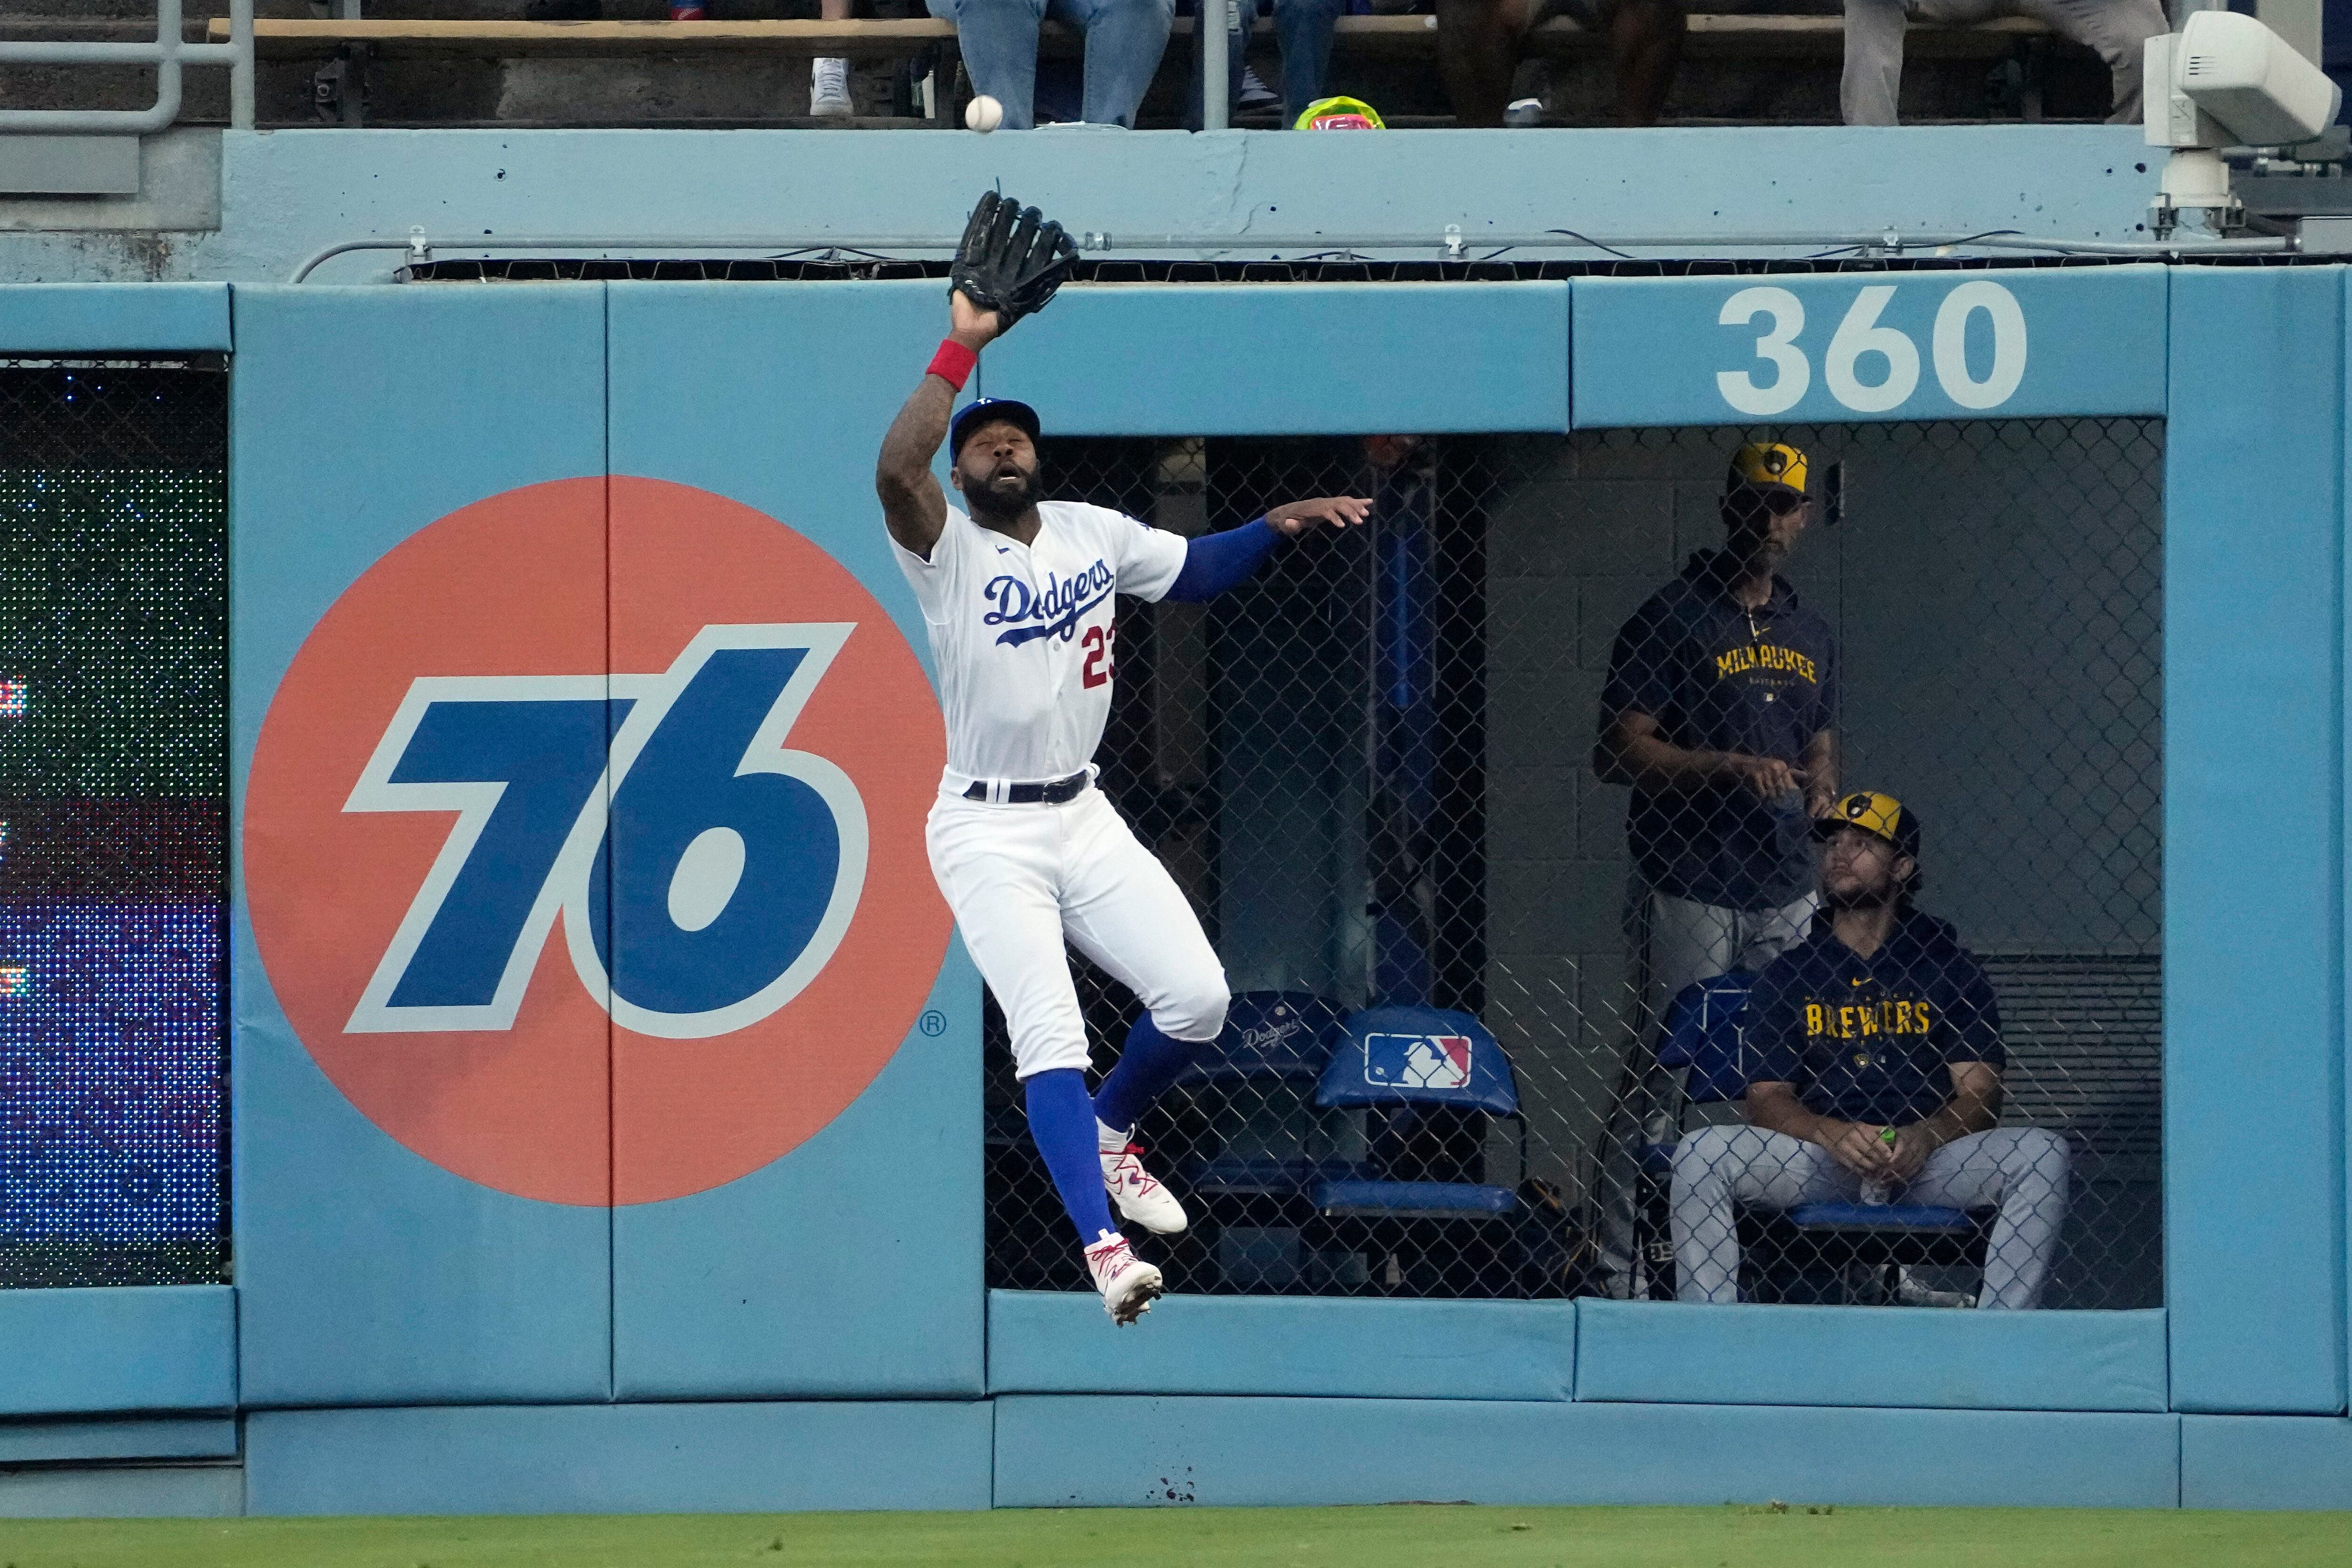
x,y
1420,1536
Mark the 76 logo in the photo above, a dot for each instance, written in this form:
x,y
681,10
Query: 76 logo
x,y
705,871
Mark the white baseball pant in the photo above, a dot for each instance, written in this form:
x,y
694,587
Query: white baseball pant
x,y
1023,878
2023,1170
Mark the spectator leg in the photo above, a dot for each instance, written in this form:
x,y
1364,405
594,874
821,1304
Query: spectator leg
x,y
999,41
1645,43
1717,1169
1236,56
1477,50
2025,1171
1125,39
1303,29
1874,62
2113,29
821,67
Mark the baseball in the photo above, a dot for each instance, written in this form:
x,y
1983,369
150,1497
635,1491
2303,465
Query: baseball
x,y
983,113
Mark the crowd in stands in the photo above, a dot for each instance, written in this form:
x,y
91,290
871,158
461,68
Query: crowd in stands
x,y
1480,45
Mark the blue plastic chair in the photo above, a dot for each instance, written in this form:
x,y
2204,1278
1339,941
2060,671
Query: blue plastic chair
x,y
1276,1043
1400,1058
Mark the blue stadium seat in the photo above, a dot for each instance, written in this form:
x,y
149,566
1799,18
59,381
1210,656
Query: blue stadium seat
x,y
1418,1059
1914,1219
1272,1049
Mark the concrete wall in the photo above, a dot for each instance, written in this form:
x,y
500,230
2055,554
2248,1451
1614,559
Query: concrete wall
x,y
251,208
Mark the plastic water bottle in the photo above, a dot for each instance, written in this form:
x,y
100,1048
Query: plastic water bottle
x,y
1875,1193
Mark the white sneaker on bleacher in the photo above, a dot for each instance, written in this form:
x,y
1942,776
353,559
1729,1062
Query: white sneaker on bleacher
x,y
829,89
1139,1194
1128,1285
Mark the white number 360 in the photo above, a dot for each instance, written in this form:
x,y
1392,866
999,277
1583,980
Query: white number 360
x,y
1861,344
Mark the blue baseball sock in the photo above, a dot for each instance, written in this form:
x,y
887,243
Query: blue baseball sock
x,y
1146,1068
1062,1125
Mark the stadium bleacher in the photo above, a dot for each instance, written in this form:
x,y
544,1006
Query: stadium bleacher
x,y
482,64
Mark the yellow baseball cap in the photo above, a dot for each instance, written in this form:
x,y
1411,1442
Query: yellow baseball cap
x,y
1765,465
1881,816
1339,114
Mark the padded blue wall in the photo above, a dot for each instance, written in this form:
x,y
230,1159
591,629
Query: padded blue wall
x,y
739,1291
2253,864
368,1276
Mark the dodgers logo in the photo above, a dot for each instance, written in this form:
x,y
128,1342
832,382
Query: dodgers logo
x,y
584,841
1054,610
1417,1061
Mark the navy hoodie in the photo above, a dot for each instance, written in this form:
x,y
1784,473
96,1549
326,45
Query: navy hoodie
x,y
1871,1039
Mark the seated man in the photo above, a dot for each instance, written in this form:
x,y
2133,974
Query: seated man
x,y
2115,30
1877,1053
1125,39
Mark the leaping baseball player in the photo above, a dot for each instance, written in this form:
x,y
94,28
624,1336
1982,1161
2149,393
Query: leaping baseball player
x,y
1017,596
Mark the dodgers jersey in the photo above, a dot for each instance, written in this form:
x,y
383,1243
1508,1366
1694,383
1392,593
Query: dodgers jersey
x,y
1022,634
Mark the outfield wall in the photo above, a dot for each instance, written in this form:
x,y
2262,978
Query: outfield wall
x,y
606,1218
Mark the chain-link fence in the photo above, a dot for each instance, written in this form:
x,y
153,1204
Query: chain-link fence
x,y
1457,1065
114,782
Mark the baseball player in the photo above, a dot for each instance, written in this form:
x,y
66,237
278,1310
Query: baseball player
x,y
1017,593
1878,1065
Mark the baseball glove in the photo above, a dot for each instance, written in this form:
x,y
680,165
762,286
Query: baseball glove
x,y
1012,259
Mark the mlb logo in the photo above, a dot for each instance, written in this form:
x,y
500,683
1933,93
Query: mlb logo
x,y
1417,1061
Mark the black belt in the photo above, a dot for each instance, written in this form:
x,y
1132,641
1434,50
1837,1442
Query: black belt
x,y
1054,794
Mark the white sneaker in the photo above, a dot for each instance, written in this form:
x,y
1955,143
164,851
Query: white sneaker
x,y
1910,1293
1139,1194
1256,97
1128,1285
829,89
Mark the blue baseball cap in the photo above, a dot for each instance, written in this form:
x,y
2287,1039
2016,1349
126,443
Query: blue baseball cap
x,y
990,411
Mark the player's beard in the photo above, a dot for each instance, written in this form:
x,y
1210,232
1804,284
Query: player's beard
x,y
991,503
1862,898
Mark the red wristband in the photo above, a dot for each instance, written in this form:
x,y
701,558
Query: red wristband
x,y
953,364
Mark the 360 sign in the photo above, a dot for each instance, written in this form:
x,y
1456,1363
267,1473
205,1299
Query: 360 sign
x,y
1868,366
584,841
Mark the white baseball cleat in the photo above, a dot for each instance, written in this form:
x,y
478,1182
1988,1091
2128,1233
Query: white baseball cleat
x,y
1128,1285
1138,1193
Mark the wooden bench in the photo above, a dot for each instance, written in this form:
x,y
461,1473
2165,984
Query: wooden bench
x,y
1402,38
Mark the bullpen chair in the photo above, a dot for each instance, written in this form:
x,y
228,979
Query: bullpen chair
x,y
1812,1252
1267,1143
1430,1082
1260,1073
1702,1036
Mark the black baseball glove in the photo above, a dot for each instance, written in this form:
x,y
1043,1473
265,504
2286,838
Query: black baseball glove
x,y
1012,259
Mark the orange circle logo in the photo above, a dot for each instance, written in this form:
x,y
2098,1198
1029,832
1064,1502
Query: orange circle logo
x,y
584,842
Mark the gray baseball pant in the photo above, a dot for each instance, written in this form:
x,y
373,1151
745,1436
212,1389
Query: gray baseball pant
x,y
2113,29
2022,1170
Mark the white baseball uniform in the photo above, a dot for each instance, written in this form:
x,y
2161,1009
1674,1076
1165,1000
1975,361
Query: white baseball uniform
x,y
1022,635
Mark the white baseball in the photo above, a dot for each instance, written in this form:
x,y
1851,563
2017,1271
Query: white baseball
x,y
983,113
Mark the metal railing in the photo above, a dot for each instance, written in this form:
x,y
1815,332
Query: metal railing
x,y
167,54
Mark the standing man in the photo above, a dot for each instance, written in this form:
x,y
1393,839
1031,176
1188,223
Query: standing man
x,y
1718,711
1017,598
1878,1044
